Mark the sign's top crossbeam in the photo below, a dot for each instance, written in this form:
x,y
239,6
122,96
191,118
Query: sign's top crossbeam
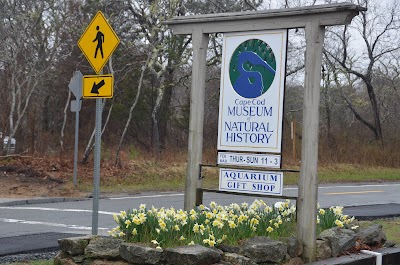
x,y
325,15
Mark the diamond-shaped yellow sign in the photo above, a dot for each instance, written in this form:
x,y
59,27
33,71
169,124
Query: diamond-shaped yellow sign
x,y
98,42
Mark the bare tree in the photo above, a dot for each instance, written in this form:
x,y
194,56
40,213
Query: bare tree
x,y
378,30
28,51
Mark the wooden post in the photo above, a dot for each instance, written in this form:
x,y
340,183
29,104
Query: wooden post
x,y
294,139
308,183
195,146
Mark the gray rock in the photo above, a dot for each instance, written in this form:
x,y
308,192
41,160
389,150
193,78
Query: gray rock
x,y
139,254
63,258
230,249
191,255
263,249
236,259
347,240
107,262
103,248
339,240
372,235
295,249
78,259
389,244
74,245
323,250
294,261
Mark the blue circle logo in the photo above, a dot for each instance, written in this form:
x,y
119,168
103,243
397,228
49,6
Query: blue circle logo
x,y
252,68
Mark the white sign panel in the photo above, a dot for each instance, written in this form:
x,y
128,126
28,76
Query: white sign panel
x,y
252,91
250,181
254,160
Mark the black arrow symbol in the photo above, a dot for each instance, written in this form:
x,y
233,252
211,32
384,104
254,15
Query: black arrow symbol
x,y
96,87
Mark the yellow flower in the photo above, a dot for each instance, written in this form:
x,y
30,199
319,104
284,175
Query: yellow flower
x,y
231,224
196,228
254,221
182,238
209,215
176,228
162,225
134,232
136,220
193,217
121,234
158,247
142,206
191,243
339,223
321,211
218,224
276,225
211,243
270,229
202,207
128,223
155,242
123,214
116,218
213,205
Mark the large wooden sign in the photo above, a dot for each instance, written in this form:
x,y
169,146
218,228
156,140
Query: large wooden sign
x,y
252,91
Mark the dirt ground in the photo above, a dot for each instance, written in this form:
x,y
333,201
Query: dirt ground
x,y
23,177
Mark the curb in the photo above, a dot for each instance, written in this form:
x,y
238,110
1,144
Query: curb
x,y
42,200
391,256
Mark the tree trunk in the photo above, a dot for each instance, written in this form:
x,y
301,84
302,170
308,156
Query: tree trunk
x,y
64,121
154,117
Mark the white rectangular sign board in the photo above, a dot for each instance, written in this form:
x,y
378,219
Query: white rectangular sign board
x,y
252,91
251,181
245,159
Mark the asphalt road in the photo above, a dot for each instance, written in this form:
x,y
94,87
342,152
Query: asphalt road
x,y
361,200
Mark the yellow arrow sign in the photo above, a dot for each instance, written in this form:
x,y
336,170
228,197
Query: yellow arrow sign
x,y
98,86
98,42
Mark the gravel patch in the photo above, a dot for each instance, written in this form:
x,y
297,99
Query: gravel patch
x,y
27,257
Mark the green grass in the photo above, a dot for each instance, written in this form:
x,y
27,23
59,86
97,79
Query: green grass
x,y
391,227
35,262
162,176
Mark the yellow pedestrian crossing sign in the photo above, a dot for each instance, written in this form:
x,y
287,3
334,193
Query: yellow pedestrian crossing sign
x,y
98,42
98,86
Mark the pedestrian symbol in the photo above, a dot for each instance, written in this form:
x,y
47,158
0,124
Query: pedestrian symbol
x,y
98,42
100,39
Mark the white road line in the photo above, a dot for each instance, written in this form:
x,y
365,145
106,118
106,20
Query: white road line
x,y
148,196
54,209
78,227
350,186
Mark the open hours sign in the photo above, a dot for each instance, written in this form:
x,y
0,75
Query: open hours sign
x,y
252,91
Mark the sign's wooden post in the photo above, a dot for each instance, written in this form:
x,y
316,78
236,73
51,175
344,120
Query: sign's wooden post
x,y
195,146
308,183
313,19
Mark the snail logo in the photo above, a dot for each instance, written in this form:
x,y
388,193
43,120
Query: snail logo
x,y
252,68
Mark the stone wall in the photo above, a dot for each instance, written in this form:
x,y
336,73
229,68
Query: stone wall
x,y
258,250
99,250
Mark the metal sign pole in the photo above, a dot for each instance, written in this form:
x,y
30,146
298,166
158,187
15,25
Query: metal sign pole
x,y
75,86
96,175
76,148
